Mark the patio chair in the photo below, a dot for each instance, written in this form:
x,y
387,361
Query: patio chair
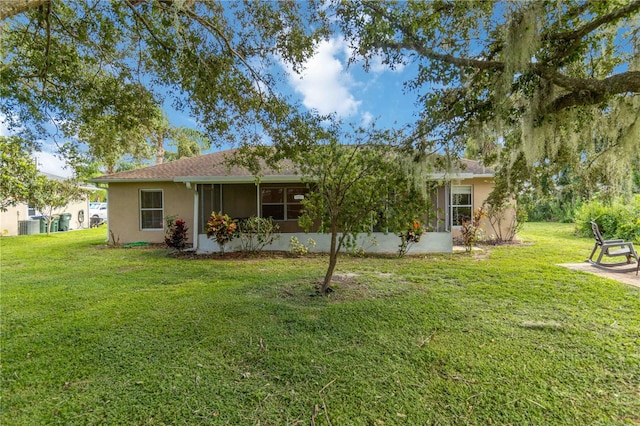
x,y
611,248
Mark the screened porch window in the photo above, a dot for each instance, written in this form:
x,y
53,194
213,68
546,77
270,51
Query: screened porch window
x,y
151,209
282,203
209,201
461,207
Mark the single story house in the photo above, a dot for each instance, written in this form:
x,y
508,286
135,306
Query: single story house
x,y
22,219
192,188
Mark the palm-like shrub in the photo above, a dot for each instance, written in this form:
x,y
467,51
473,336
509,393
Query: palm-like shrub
x,y
176,236
221,227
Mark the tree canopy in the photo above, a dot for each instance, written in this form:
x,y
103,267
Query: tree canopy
x,y
534,86
358,180
101,65
17,171
543,81
49,196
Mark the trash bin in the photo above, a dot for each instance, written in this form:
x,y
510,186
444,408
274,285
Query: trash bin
x,y
43,224
65,221
55,224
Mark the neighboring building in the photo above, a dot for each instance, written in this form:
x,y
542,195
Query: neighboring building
x,y
14,220
191,188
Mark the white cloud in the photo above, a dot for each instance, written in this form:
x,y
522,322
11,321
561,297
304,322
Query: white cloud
x,y
4,131
379,67
4,126
367,118
51,163
324,82
47,162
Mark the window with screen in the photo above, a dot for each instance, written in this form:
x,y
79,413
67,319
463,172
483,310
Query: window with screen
x,y
151,209
461,207
282,203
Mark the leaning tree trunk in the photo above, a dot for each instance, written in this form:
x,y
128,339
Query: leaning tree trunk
x,y
333,260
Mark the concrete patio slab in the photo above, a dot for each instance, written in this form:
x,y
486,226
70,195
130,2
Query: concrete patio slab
x,y
621,274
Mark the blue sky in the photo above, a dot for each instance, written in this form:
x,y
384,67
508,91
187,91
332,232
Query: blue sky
x,y
327,84
330,85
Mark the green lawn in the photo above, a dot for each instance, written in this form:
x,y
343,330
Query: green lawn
x,y
95,335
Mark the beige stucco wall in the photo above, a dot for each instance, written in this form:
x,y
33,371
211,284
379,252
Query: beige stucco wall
x,y
74,209
481,188
9,219
124,210
239,200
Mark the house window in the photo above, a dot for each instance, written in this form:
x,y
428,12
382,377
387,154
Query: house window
x,y
461,207
32,211
282,203
151,209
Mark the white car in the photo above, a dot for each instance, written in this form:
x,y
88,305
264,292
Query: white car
x,y
98,210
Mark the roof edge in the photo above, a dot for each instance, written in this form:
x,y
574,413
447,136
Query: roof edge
x,y
238,179
122,180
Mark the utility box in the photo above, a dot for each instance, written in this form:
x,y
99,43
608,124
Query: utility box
x,y
28,227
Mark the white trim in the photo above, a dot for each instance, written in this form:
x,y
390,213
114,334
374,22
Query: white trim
x,y
221,188
454,176
270,179
196,226
258,205
451,205
140,191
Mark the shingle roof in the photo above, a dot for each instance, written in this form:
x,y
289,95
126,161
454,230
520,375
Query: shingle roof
x,y
216,165
204,166
474,167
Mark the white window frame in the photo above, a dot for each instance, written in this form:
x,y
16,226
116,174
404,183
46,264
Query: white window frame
x,y
33,210
453,206
143,209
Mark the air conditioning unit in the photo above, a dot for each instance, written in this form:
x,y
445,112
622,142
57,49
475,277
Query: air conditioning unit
x,y
28,227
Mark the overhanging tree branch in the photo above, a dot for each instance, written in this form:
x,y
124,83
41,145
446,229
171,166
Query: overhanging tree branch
x,y
10,8
592,91
582,31
131,5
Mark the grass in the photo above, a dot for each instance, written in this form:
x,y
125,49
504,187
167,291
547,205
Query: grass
x,y
95,335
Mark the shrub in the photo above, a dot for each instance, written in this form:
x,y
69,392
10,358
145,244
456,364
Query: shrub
x,y
300,249
410,237
617,220
498,217
176,236
222,228
629,231
471,230
257,232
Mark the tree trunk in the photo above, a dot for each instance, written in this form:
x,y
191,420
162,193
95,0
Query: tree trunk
x,y
159,150
333,260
